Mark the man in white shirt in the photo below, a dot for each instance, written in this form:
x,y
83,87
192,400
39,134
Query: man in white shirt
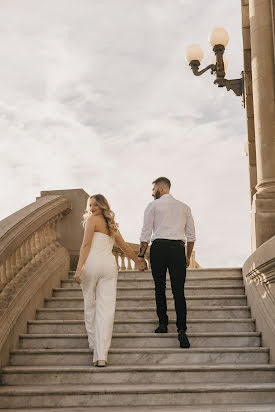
x,y
172,225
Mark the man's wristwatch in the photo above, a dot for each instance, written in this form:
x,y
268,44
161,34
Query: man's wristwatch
x,y
141,256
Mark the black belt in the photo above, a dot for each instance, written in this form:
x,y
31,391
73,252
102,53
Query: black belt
x,y
169,240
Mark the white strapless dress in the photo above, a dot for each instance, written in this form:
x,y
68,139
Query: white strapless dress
x,y
99,283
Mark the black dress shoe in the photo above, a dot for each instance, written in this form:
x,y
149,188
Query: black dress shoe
x,y
183,339
161,328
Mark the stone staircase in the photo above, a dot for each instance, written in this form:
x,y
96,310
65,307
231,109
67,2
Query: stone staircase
x,y
226,368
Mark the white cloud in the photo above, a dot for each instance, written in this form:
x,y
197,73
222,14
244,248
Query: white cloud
x,y
98,95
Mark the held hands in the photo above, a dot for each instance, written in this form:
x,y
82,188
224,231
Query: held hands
x,y
141,264
187,261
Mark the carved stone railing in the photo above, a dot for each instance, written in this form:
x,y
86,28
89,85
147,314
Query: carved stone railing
x,y
124,263
259,279
32,261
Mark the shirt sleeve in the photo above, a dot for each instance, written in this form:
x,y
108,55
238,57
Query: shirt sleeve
x,y
190,227
148,221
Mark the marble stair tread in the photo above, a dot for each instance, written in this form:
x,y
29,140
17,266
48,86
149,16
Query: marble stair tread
x,y
136,388
186,408
153,320
191,273
143,325
151,288
135,312
133,368
260,349
190,280
137,374
206,271
150,291
138,335
145,278
151,308
207,300
251,355
206,297
210,339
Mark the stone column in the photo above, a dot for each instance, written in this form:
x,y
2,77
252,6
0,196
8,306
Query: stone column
x,y
251,149
263,84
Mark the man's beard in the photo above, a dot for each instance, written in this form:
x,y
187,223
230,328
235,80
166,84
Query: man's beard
x,y
157,194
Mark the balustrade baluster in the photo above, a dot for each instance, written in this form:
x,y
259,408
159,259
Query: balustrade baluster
x,y
52,235
37,242
33,247
116,257
24,253
129,266
29,254
56,232
9,272
122,256
14,268
3,276
18,259
47,234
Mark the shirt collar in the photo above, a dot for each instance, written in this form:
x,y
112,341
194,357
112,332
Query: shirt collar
x,y
166,195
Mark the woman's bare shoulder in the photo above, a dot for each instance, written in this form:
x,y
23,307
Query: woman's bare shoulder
x,y
92,221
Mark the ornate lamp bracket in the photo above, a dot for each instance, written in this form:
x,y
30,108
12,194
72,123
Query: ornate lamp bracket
x,y
237,85
194,54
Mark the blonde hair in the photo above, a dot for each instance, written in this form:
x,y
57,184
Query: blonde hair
x,y
108,214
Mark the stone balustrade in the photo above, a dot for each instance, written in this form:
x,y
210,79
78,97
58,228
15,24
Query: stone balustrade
x,y
32,260
125,263
259,280
31,253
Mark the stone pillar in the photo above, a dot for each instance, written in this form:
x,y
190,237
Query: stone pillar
x,y
251,150
263,84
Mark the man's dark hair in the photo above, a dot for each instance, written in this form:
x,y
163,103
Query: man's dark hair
x,y
162,180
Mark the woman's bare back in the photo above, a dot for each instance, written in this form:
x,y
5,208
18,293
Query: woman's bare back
x,y
101,225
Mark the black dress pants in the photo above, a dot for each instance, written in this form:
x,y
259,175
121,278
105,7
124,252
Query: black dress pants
x,y
169,254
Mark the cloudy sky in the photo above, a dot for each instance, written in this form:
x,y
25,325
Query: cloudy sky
x,y
96,94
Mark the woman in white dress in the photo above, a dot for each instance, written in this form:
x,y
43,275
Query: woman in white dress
x,y
97,272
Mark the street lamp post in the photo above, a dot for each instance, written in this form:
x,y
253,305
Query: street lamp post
x,y
194,54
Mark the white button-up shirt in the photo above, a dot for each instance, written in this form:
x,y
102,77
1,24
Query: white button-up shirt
x,y
168,218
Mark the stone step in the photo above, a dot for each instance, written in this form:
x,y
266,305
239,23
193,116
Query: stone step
x,y
186,408
142,291
74,395
191,273
198,312
195,325
137,374
143,340
226,300
142,356
149,282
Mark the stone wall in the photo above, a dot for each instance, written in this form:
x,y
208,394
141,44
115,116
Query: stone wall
x,y
259,280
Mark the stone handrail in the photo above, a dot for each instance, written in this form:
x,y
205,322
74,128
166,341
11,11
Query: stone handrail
x,y
27,236
30,256
259,279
